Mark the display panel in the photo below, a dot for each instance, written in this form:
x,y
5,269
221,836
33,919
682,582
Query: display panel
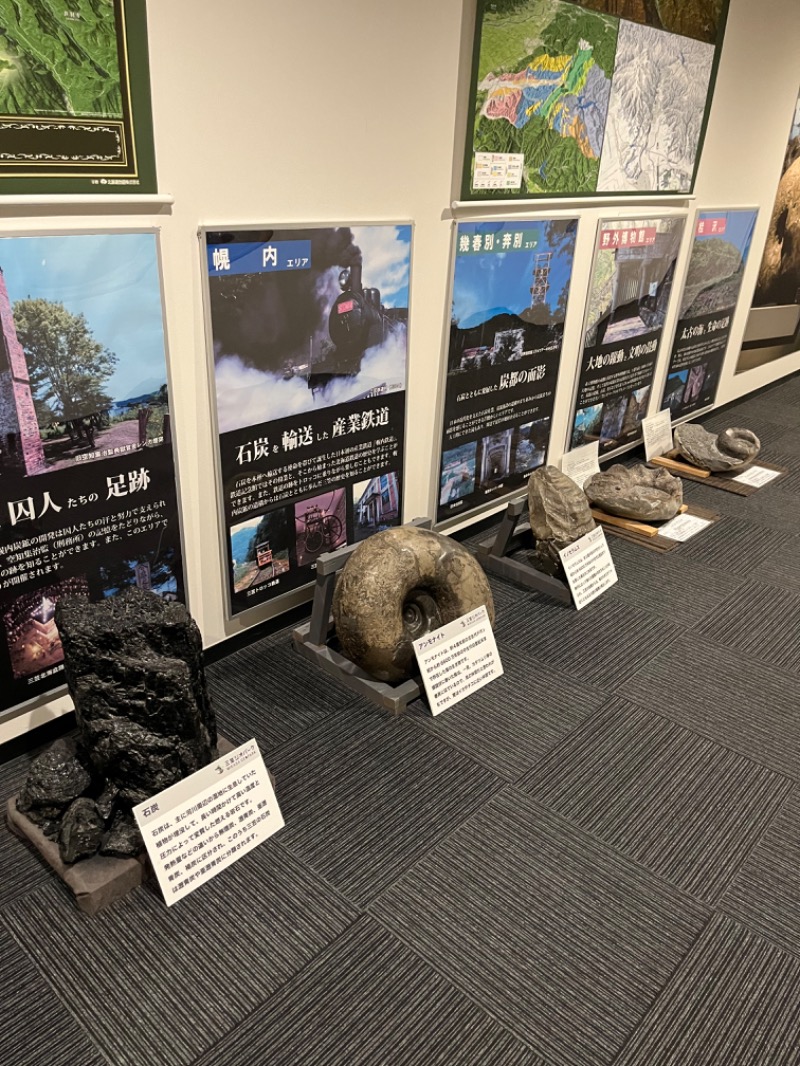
x,y
509,301
629,295
592,97
308,329
86,465
775,318
75,113
711,291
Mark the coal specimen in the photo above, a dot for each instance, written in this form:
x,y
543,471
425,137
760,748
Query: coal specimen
x,y
733,449
134,667
636,492
559,514
82,830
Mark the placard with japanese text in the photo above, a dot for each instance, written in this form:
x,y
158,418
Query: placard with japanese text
x,y
629,297
89,501
308,332
510,289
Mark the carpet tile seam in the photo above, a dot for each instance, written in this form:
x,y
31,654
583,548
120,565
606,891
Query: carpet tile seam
x,y
45,977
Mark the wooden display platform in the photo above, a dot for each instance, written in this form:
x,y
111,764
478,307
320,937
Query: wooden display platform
x,y
651,538
97,882
315,640
726,482
493,555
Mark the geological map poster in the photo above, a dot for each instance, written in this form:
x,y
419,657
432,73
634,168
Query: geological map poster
x,y
601,96
75,113
716,267
629,296
510,289
89,502
309,333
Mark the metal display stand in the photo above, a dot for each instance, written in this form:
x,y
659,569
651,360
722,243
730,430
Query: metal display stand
x,y
493,555
312,639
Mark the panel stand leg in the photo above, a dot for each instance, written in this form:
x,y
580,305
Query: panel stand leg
x,y
493,555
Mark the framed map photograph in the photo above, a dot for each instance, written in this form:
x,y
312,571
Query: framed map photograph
x,y
595,97
75,114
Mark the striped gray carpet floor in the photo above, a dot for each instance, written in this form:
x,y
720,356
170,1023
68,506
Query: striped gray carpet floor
x,y
594,861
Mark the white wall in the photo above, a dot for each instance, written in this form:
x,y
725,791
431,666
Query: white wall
x,y
336,112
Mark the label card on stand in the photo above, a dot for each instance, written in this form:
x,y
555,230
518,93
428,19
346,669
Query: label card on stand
x,y
196,828
581,463
757,476
589,567
657,432
684,527
458,659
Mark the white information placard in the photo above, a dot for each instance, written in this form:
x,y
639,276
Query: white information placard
x,y
757,476
201,825
581,463
458,659
498,170
684,527
589,567
657,432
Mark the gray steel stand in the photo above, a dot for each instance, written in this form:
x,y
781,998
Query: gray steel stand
x,y
311,639
492,554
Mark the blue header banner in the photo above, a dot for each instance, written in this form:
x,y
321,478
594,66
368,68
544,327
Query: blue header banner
x,y
258,258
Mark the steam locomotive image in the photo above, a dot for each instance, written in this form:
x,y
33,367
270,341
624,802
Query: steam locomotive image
x,y
357,321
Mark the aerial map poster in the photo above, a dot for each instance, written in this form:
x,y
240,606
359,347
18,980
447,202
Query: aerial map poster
x,y
629,297
601,96
308,337
510,289
87,477
75,113
716,268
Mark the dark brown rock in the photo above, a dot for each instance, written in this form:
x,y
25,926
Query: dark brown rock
x,y
397,586
733,449
559,514
636,492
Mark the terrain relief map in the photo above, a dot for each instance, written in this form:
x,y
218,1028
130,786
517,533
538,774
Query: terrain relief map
x,y
592,101
59,58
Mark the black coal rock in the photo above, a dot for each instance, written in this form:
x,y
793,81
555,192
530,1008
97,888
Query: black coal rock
x,y
82,831
123,840
55,779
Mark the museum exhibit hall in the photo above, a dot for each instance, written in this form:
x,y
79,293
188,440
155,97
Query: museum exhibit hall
x,y
399,533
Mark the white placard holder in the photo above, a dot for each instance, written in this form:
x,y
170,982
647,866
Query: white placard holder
x,y
589,567
757,476
581,463
196,828
684,527
657,433
458,659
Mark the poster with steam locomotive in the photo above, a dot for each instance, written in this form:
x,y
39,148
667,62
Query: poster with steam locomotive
x,y
509,301
629,298
308,336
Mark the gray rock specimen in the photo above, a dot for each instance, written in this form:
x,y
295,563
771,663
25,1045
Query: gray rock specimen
x,y
733,449
559,514
397,586
134,667
636,492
